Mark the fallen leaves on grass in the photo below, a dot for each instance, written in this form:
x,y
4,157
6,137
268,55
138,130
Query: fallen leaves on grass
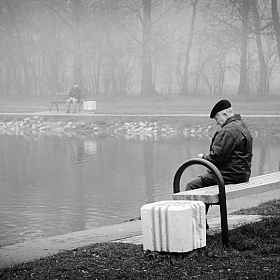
x,y
253,254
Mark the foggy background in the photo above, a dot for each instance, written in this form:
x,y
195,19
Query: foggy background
x,y
133,47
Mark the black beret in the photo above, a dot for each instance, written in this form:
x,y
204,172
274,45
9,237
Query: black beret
x,y
220,106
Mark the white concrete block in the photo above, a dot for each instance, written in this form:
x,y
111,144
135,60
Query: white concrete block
x,y
173,226
89,105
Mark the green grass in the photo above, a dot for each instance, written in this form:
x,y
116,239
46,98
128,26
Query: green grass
x,y
254,253
268,127
265,209
151,105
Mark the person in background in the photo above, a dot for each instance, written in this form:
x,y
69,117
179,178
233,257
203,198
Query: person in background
x,y
74,97
230,150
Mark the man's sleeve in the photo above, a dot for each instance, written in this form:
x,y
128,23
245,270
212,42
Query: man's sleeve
x,y
79,95
221,148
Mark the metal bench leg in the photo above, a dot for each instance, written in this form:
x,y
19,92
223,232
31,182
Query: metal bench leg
x,y
222,193
55,105
223,213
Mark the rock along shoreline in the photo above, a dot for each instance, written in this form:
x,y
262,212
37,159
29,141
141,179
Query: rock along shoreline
x,y
138,128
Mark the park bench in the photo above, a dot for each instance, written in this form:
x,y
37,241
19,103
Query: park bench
x,y
210,195
218,194
61,97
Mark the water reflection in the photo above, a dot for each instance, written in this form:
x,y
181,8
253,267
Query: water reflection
x,y
55,184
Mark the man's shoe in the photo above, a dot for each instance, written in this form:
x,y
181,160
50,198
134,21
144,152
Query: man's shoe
x,y
74,112
67,112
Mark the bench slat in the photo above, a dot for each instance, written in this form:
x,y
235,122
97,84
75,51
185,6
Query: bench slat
x,y
60,98
210,195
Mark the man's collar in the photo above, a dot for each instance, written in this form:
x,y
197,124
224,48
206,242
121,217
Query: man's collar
x,y
232,118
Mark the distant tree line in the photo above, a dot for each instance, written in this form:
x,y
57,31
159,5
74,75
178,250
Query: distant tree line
x,y
147,47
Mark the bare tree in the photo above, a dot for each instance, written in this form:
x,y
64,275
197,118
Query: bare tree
x,y
276,24
77,40
185,87
147,87
17,27
262,89
126,46
244,12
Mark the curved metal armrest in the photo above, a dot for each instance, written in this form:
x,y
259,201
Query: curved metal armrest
x,y
221,184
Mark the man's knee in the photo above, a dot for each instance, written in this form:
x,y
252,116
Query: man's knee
x,y
206,180
194,184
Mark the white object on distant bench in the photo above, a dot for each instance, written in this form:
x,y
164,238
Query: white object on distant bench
x,y
173,226
89,105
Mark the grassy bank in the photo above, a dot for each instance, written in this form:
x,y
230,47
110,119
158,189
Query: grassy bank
x,y
151,105
154,106
267,127
254,253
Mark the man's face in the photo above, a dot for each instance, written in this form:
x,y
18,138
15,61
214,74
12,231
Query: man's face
x,y
220,118
75,85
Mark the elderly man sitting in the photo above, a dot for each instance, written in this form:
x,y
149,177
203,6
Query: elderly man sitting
x,y
74,97
230,150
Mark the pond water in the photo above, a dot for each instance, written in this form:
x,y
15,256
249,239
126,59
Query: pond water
x,y
54,184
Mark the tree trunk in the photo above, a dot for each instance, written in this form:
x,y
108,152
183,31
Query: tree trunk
x,y
243,66
147,87
263,74
77,52
185,81
276,24
21,51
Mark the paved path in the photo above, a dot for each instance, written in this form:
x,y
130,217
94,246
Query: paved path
x,y
91,114
44,247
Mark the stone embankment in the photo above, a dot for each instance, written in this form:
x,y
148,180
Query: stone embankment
x,y
138,130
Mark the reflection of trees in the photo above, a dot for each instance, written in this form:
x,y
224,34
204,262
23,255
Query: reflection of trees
x,y
262,158
39,174
70,181
148,151
265,156
69,185
115,176
190,148
76,150
105,167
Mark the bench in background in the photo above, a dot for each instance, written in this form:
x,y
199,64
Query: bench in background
x,y
60,98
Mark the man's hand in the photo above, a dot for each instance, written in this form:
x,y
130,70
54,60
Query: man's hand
x,y
200,155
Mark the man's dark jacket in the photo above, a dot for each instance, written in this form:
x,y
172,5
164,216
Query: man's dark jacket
x,y
231,151
76,93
